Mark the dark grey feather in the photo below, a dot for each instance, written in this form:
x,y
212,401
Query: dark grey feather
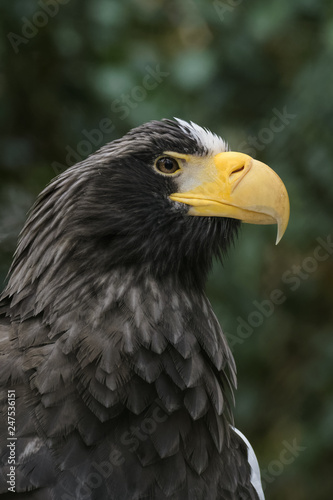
x,y
119,364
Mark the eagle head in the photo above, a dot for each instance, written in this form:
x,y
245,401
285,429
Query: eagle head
x,y
164,199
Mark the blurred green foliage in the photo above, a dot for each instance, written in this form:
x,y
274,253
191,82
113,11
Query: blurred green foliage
x,y
229,65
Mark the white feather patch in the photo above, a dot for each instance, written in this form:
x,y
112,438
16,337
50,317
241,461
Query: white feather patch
x,y
255,471
212,142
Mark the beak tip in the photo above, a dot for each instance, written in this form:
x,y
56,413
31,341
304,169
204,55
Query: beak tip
x,y
281,229
279,235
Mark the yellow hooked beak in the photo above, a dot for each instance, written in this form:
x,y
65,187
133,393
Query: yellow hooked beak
x,y
237,186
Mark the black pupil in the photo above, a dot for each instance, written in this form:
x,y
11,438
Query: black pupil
x,y
167,165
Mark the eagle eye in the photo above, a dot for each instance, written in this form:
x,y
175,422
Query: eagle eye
x,y
167,165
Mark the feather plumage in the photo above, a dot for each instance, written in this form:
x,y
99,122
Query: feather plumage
x,y
120,367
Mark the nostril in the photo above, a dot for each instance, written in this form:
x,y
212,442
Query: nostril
x,y
237,170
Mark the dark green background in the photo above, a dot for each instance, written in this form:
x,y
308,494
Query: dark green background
x,y
229,66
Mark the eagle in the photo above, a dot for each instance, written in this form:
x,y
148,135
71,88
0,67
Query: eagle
x,y
116,378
